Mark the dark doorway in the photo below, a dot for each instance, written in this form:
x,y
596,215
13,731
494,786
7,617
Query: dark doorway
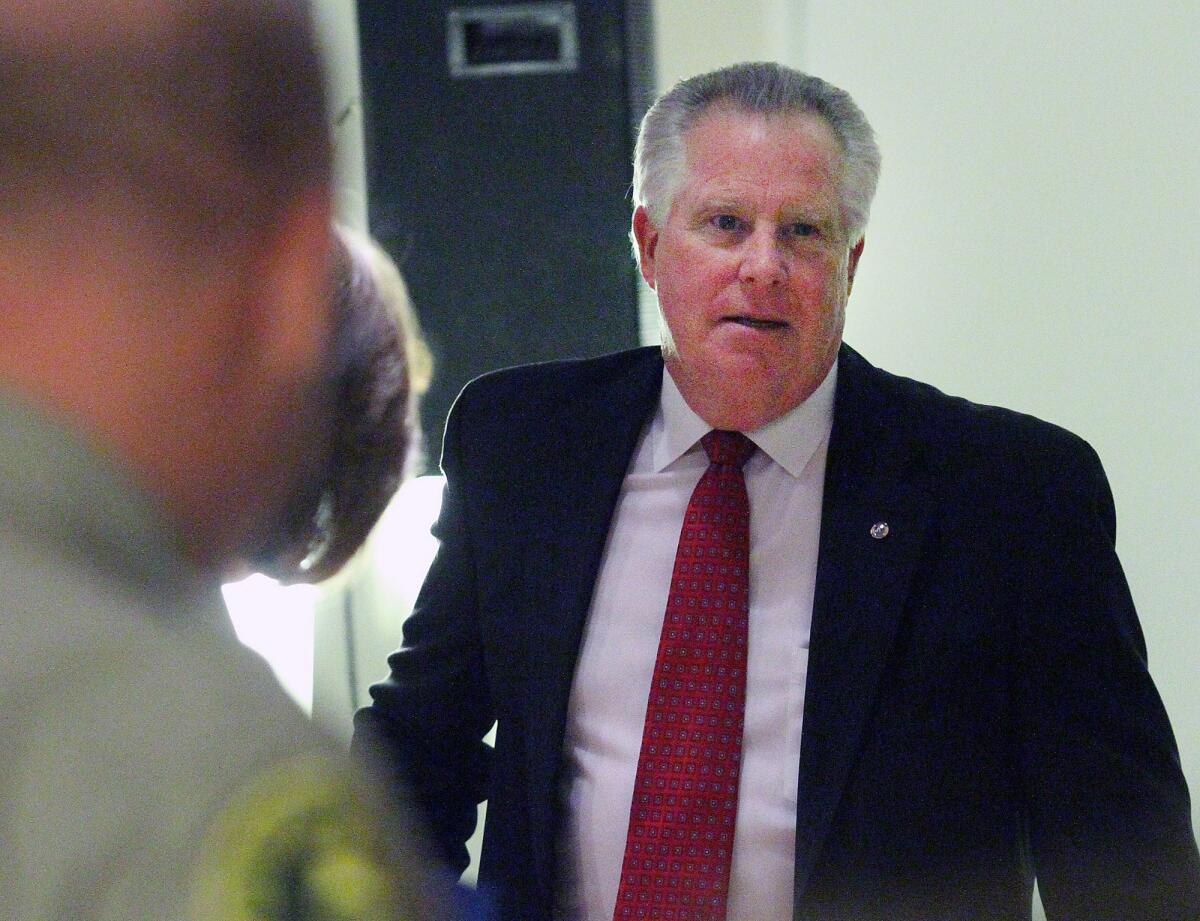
x,y
499,144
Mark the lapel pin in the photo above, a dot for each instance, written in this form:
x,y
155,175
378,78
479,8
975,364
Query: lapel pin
x,y
880,530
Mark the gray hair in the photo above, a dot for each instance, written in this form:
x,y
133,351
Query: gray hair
x,y
764,89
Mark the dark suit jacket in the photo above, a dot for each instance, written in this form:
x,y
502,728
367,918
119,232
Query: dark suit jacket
x,y
978,707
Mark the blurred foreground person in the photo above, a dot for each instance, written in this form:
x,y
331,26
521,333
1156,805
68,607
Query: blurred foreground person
x,y
166,390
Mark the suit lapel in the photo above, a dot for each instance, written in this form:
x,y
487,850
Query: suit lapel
x,y
582,481
874,518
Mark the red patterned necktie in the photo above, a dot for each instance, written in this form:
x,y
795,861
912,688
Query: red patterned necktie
x,y
680,841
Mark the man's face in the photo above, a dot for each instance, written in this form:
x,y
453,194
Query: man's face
x,y
752,266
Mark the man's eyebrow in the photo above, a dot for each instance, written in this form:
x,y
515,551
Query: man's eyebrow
x,y
806,217
718,202
809,212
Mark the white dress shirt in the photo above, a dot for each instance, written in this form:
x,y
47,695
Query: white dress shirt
x,y
785,480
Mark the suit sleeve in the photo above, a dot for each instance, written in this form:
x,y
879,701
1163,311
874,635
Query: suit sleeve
x,y
425,726
1108,808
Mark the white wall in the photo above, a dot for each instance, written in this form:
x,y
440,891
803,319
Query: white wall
x,y
692,36
1036,238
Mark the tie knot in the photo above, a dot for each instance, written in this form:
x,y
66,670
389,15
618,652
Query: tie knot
x,y
728,449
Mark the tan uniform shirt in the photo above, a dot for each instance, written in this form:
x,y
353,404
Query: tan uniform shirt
x,y
150,766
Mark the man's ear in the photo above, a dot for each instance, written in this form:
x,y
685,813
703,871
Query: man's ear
x,y
855,255
292,288
646,235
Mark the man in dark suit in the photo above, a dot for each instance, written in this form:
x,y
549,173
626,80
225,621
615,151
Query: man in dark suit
x,y
945,689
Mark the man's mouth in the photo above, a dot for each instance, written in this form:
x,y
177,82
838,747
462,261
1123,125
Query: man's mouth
x,y
756,323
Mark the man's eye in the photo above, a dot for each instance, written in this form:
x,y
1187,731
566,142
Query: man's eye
x,y
726,222
801,229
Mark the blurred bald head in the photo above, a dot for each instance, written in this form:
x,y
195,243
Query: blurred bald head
x,y
165,228
203,115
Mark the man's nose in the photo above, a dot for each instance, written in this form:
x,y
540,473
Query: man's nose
x,y
763,259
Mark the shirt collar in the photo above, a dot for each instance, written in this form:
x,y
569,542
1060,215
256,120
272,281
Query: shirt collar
x,y
790,441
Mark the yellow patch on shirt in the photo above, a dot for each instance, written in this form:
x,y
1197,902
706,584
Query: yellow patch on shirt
x,y
295,845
